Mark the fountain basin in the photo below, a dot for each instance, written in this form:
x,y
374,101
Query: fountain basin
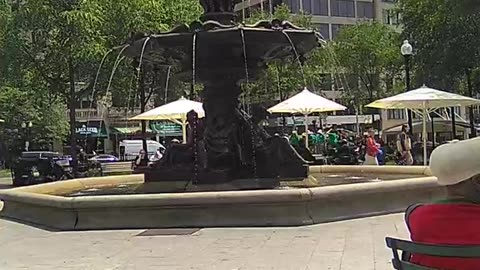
x,y
47,205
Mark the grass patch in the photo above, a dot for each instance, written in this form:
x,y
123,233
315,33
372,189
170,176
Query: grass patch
x,y
5,173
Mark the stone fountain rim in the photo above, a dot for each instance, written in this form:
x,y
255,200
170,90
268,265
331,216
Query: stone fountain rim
x,y
42,194
296,207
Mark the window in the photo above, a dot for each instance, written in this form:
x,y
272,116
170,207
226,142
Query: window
x,y
345,82
476,113
307,6
396,114
457,111
293,5
343,8
391,17
320,7
365,10
324,29
335,29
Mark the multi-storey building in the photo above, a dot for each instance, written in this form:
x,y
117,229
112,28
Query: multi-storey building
x,y
329,16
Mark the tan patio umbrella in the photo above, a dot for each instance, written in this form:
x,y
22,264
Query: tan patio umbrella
x,y
306,103
423,101
175,111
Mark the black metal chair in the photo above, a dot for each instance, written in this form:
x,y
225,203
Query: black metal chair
x,y
403,263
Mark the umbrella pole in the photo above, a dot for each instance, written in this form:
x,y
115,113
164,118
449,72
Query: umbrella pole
x,y
184,132
424,135
306,131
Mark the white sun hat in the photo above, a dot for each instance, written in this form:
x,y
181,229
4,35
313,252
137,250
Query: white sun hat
x,y
456,161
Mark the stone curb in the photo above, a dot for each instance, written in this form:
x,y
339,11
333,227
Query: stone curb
x,y
284,207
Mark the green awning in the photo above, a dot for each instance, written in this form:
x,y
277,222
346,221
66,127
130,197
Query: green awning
x,y
129,130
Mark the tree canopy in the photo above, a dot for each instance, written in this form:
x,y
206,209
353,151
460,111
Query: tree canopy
x,y
50,49
445,36
368,53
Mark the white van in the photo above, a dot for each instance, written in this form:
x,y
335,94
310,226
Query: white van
x,y
129,149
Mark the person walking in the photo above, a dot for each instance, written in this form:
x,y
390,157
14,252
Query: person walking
x,y
404,147
372,149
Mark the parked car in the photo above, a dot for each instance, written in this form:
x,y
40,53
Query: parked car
x,y
40,167
104,158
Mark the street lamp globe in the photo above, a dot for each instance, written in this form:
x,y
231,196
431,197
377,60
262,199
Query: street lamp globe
x,y
24,125
406,48
30,124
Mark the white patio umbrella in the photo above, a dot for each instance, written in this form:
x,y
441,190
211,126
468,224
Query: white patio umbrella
x,y
423,101
175,111
306,103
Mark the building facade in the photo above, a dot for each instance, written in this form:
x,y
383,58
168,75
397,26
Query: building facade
x,y
329,16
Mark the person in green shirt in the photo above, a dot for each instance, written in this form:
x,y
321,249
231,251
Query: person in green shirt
x,y
294,138
320,138
333,136
319,142
333,139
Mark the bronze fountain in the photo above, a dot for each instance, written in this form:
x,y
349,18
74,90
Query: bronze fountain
x,y
228,145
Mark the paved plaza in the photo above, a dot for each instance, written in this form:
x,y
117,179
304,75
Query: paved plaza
x,y
353,244
5,182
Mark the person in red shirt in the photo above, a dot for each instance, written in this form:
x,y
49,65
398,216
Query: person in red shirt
x,y
372,149
455,220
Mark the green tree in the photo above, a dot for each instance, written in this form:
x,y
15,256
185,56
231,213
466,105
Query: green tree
x,y
142,16
445,35
17,107
64,41
369,51
284,77
24,95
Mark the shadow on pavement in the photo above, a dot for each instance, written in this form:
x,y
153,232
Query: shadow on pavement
x,y
26,223
5,186
5,182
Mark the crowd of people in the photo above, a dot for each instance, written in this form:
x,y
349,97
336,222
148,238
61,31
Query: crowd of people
x,y
370,148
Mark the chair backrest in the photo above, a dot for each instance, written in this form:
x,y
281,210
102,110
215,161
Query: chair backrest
x,y
427,249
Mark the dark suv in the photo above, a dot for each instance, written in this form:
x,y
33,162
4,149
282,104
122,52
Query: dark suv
x,y
40,167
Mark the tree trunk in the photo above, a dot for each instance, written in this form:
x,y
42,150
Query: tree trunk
x,y
72,104
143,103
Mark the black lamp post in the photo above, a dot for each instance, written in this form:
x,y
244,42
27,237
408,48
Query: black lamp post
x,y
27,128
407,51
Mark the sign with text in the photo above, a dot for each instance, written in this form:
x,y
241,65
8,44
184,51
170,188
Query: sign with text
x,y
84,130
166,128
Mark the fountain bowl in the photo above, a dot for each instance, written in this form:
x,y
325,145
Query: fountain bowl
x,y
48,206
